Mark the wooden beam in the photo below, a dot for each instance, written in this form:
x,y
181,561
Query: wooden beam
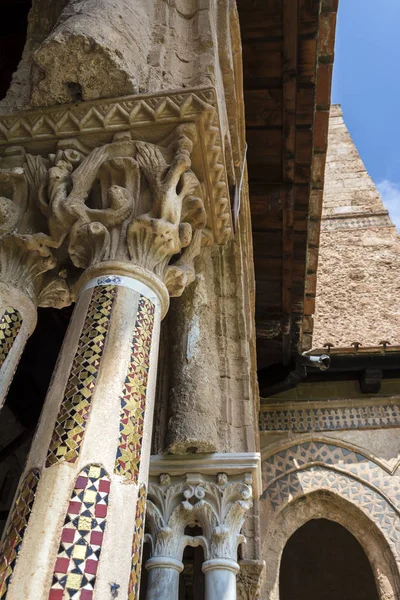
x,y
289,104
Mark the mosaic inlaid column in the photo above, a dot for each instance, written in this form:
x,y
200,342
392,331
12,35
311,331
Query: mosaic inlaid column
x,y
93,446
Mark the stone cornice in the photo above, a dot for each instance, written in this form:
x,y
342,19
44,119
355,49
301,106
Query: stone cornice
x,y
149,117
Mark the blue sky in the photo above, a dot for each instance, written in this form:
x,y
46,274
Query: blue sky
x,y
366,82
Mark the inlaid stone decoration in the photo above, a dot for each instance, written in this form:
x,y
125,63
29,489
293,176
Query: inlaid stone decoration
x,y
329,418
75,407
82,537
356,222
10,325
137,545
133,400
12,541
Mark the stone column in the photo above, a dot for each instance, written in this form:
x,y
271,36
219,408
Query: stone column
x,y
93,440
163,577
96,443
28,278
220,578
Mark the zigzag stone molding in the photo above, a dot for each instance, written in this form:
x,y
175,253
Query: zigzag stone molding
x,y
149,117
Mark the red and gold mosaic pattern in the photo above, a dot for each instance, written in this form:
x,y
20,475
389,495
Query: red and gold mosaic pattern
x,y
74,411
10,325
133,400
12,541
82,537
137,545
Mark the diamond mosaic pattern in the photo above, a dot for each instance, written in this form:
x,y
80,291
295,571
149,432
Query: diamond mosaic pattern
x,y
330,419
133,399
301,455
297,484
12,542
10,325
82,536
109,280
336,457
137,545
74,411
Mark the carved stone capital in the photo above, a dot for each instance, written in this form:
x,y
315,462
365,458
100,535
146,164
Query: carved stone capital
x,y
250,579
149,188
24,262
217,504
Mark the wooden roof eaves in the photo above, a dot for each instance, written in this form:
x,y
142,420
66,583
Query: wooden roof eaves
x,y
325,59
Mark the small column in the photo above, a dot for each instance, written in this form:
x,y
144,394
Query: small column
x,y
163,579
220,578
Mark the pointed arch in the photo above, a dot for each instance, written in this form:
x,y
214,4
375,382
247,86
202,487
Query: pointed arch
x,y
327,504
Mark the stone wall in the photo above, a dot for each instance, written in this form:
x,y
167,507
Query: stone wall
x,y
359,262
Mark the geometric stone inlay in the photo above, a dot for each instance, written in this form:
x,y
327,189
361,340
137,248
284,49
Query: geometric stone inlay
x,y
137,546
10,325
75,407
329,419
371,502
133,399
334,457
12,541
82,537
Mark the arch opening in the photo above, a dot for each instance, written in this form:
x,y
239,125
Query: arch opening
x,y
322,559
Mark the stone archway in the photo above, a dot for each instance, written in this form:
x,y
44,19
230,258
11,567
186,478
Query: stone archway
x,y
323,504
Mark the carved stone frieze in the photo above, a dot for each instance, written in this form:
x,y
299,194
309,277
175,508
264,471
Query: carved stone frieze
x,y
217,504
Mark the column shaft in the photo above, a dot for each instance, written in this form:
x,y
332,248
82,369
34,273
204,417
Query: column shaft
x,y
220,575
163,581
92,451
18,317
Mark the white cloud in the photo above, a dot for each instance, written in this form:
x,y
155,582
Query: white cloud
x,y
390,192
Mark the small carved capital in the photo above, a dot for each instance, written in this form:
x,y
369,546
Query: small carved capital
x,y
25,262
218,505
250,579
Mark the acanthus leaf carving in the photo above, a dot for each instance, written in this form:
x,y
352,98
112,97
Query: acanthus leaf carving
x,y
130,201
25,262
218,507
